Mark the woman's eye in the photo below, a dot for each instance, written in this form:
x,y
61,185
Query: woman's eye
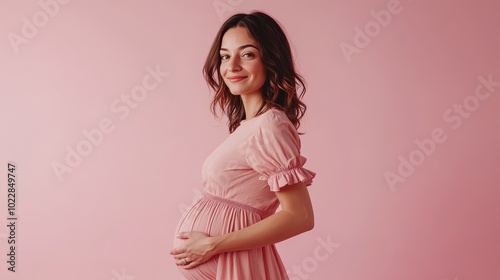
x,y
248,54
223,56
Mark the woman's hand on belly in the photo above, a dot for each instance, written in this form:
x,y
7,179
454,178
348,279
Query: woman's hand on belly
x,y
197,249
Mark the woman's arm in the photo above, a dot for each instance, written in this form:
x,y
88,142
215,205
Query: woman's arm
x,y
296,217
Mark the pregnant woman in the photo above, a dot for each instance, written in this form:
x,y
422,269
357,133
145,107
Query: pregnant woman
x,y
230,231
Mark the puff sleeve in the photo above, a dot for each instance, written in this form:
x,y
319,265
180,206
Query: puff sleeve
x,y
274,152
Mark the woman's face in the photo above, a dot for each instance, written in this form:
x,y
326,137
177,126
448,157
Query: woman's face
x,y
241,66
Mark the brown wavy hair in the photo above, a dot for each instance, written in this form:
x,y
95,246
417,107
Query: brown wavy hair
x,y
280,89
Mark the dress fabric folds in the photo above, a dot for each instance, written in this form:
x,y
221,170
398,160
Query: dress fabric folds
x,y
240,178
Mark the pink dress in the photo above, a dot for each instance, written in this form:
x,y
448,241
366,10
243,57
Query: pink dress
x,y
239,179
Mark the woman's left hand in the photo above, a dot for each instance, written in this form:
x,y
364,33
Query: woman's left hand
x,y
197,249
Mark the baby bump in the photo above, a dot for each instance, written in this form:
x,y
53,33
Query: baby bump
x,y
192,220
197,218
214,216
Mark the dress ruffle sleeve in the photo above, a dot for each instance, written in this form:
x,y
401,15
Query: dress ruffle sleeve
x,y
274,152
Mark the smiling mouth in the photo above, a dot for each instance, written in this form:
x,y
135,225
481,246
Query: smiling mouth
x,y
236,79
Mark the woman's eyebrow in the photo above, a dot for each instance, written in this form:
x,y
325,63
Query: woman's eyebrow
x,y
241,47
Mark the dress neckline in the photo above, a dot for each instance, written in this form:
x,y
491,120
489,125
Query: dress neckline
x,y
245,121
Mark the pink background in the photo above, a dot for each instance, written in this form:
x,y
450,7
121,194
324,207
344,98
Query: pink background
x,y
113,216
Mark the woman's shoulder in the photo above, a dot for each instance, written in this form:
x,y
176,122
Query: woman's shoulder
x,y
275,129
275,115
277,120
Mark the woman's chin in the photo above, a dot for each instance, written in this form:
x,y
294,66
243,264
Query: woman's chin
x,y
235,93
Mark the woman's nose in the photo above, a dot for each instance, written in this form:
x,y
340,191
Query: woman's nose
x,y
234,64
